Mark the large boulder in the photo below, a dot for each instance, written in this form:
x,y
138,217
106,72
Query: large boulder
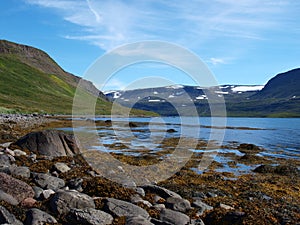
x,y
50,143
18,189
63,201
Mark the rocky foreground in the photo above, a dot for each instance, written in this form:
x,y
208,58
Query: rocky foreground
x,y
44,180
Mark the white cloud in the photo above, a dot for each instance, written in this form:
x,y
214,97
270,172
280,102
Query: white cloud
x,y
216,61
193,23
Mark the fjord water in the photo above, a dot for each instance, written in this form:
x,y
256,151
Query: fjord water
x,y
280,137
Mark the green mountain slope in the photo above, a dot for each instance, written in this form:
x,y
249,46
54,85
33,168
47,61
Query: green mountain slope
x,y
30,81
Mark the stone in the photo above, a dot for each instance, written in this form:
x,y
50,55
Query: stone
x,y
201,206
10,152
75,184
140,191
89,216
46,181
121,208
28,202
47,193
19,152
5,145
49,143
21,171
171,130
159,207
8,198
37,217
174,217
37,191
16,188
7,218
162,192
137,199
226,207
63,201
159,222
249,148
178,204
61,167
137,220
197,222
5,161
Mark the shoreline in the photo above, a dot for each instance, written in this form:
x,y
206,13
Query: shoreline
x,y
254,198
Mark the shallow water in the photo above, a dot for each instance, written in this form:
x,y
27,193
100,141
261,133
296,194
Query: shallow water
x,y
279,137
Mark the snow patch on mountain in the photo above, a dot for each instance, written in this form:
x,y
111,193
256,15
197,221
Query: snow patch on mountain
x,y
247,88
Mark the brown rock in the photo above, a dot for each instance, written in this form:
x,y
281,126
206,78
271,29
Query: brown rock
x,y
49,143
16,188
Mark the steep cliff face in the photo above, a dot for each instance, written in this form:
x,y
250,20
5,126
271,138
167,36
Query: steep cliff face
x,y
40,60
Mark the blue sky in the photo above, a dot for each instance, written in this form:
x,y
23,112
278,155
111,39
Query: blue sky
x,y
242,42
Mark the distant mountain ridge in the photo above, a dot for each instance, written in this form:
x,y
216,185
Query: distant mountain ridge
x,y
280,97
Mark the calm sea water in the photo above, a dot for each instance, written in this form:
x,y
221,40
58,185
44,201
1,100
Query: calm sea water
x,y
279,136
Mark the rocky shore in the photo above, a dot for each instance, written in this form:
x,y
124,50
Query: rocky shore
x,y
45,180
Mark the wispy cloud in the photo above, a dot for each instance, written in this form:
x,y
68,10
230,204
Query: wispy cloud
x,y
190,23
216,61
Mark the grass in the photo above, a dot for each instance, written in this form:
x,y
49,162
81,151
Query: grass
x,y
24,88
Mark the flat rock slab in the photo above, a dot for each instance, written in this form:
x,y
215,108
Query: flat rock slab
x,y
18,189
63,201
162,192
122,208
89,217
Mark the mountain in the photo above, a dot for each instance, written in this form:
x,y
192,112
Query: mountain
x,y
31,81
280,97
167,100
282,86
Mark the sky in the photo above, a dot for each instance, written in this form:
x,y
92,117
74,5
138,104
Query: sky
x,y
240,41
